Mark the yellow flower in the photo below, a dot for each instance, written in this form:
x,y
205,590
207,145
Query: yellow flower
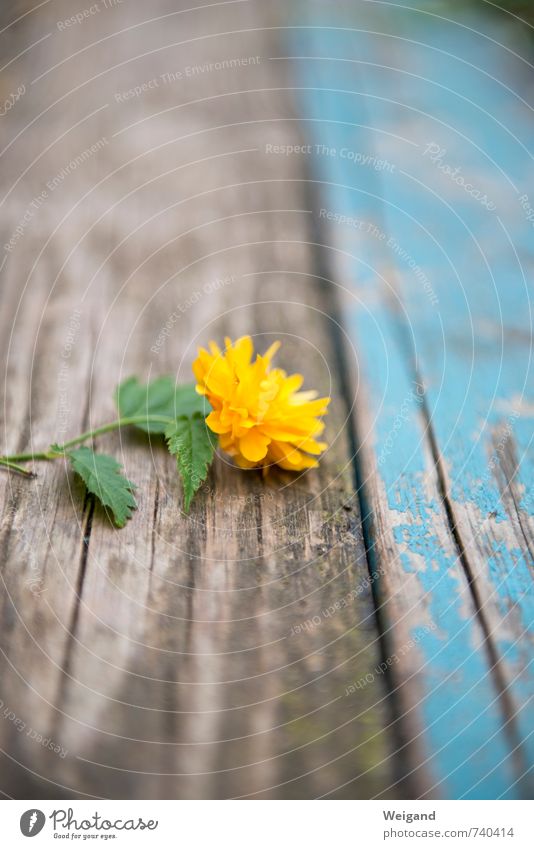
x,y
259,414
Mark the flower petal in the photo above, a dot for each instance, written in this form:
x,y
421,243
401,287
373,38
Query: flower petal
x,y
290,458
259,412
254,445
215,424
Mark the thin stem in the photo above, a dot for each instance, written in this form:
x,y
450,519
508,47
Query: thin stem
x,y
16,468
130,420
41,455
53,454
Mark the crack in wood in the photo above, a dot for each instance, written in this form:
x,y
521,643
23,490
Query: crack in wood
x,y
66,663
401,736
154,524
509,713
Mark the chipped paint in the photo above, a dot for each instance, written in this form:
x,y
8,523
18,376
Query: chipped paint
x,y
470,384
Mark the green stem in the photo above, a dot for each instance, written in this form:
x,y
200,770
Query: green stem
x,y
89,434
15,468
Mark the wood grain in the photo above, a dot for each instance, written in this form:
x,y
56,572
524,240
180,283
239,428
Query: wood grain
x,y
194,656
437,308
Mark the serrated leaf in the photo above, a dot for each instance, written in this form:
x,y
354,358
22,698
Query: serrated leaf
x,y
102,477
192,443
160,397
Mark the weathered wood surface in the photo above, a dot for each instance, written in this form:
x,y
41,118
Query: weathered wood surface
x,y
237,652
185,656
438,307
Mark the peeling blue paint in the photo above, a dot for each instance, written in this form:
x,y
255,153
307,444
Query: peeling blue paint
x,y
470,343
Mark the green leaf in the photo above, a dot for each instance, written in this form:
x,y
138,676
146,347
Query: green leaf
x,y
187,402
160,397
102,477
192,443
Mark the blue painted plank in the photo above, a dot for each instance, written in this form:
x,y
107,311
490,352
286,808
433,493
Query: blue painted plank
x,y
427,155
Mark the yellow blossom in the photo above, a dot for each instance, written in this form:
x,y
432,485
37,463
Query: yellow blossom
x,y
259,413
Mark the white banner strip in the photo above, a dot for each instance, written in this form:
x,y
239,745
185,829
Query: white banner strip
x,y
268,824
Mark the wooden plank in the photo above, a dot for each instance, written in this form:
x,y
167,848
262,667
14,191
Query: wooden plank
x,y
200,656
481,384
447,519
